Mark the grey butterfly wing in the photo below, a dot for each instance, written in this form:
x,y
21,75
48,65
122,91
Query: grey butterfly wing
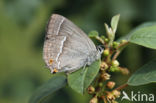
x,y
74,46
51,50
73,56
62,54
59,25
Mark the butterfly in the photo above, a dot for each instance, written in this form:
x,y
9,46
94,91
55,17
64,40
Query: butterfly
x,y
66,47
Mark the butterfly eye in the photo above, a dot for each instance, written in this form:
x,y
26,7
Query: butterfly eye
x,y
50,61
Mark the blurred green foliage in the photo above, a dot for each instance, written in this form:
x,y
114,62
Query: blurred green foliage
x,y
22,30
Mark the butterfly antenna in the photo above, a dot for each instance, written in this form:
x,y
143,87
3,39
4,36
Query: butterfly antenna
x,y
100,48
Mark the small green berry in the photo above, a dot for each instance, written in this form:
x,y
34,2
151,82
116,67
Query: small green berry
x,y
123,41
106,52
100,84
115,63
106,40
114,69
103,37
115,44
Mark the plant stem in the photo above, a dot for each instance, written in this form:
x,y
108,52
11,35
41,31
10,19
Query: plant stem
x,y
116,55
118,51
99,39
121,87
122,44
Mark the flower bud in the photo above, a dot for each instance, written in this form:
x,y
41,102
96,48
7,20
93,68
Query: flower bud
x,y
124,71
94,100
105,76
110,33
106,52
110,84
103,66
116,93
114,102
110,96
115,63
91,89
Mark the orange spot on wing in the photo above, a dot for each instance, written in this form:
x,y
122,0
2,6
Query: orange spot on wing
x,y
55,70
51,61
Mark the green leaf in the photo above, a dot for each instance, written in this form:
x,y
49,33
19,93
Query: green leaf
x,y
147,24
145,75
144,35
76,80
91,73
110,34
82,78
93,34
114,22
54,84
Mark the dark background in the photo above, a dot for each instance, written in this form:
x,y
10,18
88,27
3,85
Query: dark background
x,y
22,30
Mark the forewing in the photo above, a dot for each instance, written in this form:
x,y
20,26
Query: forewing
x,y
59,25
